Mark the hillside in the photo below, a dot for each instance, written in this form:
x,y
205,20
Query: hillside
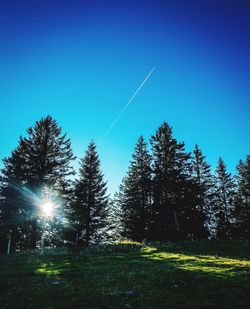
x,y
129,275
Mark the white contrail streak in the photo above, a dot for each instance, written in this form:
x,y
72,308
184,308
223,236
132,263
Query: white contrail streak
x,y
126,106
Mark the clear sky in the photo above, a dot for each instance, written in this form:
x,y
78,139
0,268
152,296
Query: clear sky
x,y
80,62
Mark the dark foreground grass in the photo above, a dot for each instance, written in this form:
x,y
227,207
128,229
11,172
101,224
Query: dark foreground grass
x,y
181,275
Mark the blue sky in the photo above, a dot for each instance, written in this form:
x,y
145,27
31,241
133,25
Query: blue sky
x,y
80,61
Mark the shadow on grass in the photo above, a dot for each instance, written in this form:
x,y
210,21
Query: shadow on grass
x,y
133,276
229,249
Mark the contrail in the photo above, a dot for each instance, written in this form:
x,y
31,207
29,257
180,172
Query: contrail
x,y
126,106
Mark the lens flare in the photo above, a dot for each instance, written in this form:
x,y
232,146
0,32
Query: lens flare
x,y
47,208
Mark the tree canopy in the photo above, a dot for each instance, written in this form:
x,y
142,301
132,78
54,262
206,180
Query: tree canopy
x,y
168,193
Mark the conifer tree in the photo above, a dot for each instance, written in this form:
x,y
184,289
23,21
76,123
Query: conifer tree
x,y
172,193
242,210
90,205
41,162
116,215
205,193
15,198
224,201
137,194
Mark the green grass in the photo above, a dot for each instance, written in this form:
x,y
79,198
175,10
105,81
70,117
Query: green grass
x,y
129,275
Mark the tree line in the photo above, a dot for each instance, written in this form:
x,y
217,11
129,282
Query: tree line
x,y
167,194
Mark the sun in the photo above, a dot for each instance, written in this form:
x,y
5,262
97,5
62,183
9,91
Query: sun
x,y
47,208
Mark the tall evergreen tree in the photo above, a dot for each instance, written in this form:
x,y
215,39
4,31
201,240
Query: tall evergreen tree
x,y
89,209
116,215
242,210
15,199
224,201
172,186
41,162
205,193
137,194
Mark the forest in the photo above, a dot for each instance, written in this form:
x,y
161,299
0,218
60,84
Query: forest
x,y
167,194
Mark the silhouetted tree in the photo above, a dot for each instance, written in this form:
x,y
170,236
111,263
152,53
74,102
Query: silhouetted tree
x,y
90,204
166,195
204,191
172,187
15,199
224,201
242,201
39,164
137,194
115,216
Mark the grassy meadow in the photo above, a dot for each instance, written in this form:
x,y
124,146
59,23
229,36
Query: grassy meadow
x,y
207,274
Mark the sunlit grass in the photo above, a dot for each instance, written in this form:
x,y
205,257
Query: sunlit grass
x,y
51,269
199,263
129,274
202,263
128,242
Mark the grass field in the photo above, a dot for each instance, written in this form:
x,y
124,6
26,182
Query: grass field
x,y
129,275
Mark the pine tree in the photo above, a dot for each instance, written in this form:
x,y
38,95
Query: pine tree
x,y
205,184
137,194
15,197
224,201
172,193
90,205
40,163
242,210
115,216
